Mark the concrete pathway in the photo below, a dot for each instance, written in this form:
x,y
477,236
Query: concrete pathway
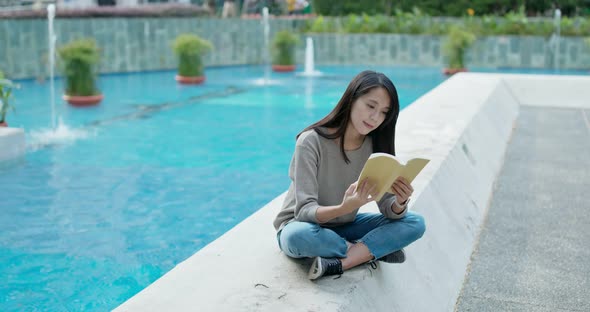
x,y
534,249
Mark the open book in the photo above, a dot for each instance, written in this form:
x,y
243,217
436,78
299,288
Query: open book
x,y
382,169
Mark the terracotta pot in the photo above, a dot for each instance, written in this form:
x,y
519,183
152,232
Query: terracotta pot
x,y
3,124
190,80
283,68
452,71
82,101
251,16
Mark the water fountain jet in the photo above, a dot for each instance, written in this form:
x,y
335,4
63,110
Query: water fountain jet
x,y
309,69
52,41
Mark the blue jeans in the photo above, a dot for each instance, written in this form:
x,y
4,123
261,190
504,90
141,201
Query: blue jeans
x,y
381,235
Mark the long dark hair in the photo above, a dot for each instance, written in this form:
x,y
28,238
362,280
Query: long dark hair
x,y
384,136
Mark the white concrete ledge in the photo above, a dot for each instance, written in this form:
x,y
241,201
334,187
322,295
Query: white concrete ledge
x,y
549,91
12,143
463,126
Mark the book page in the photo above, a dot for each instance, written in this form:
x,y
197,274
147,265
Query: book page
x,y
413,167
381,169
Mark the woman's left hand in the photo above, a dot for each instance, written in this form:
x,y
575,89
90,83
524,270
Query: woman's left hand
x,y
402,189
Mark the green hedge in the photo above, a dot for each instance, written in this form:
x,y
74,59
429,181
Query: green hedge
x,y
419,23
450,8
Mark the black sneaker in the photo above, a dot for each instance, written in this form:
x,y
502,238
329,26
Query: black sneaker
x,y
323,267
394,257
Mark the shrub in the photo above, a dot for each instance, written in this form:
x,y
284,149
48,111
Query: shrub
x,y
344,7
6,87
79,59
458,41
283,48
189,49
321,24
448,8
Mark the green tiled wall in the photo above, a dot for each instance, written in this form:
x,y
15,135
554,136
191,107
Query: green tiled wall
x,y
138,44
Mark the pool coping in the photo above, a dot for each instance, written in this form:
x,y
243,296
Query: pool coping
x,y
463,126
12,143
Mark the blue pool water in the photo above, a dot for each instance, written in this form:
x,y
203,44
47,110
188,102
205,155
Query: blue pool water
x,y
136,185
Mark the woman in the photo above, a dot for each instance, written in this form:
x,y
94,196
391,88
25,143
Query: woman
x,y
319,217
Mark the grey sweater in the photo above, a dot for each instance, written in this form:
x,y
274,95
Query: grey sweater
x,y
320,177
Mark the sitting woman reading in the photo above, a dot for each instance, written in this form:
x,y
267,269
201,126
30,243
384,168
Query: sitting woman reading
x,y
319,218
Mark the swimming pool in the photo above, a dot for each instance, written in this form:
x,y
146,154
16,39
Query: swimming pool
x,y
153,174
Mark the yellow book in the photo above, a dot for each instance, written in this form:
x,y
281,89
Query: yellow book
x,y
382,169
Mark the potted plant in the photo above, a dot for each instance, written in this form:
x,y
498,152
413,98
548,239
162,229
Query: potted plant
x,y
6,87
283,51
457,42
190,49
79,58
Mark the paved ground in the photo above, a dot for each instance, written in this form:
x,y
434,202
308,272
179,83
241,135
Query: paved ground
x,y
534,249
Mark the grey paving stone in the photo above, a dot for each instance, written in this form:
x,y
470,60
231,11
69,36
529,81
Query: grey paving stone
x,y
533,248
493,305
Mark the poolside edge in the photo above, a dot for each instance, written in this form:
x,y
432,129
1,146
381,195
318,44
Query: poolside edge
x,y
12,143
463,126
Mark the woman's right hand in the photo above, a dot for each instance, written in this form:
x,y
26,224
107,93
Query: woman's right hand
x,y
357,195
